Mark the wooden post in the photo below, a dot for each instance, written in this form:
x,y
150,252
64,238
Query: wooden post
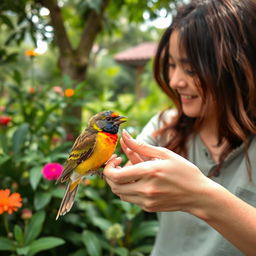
x,y
138,88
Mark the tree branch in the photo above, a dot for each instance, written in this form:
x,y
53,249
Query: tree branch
x,y
57,22
91,30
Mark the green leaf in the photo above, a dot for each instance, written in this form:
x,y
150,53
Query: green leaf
x,y
92,243
5,19
121,251
145,229
19,138
23,250
34,227
18,234
58,192
74,237
44,243
4,158
92,194
41,199
35,176
6,244
101,223
4,142
17,77
144,249
80,252
131,210
45,116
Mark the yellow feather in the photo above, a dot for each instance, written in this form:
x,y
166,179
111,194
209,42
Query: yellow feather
x,y
103,150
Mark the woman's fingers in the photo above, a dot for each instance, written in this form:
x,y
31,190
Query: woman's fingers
x,y
114,161
143,149
133,156
127,174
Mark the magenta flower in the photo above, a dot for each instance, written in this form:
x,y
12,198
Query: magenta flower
x,y
52,171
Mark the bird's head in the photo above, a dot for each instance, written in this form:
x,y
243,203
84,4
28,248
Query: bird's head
x,y
107,121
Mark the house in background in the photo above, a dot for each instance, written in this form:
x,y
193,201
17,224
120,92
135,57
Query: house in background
x,y
137,57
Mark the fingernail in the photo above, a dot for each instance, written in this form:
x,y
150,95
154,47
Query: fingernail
x,y
125,133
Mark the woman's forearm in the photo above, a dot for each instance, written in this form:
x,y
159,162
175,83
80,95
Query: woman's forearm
x,y
230,216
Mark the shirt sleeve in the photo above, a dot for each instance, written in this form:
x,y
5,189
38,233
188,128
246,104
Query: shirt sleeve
x,y
154,124
146,134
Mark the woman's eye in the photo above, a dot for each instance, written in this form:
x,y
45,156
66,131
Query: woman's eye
x,y
190,72
171,65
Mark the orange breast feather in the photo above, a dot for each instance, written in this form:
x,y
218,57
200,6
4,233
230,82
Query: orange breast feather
x,y
104,148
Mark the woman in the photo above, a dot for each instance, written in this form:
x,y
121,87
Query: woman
x,y
196,165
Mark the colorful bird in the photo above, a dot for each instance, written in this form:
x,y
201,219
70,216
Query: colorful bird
x,y
91,150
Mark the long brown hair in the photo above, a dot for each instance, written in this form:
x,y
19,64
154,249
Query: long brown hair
x,y
219,38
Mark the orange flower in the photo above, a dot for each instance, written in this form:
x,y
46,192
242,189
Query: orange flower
x,y
87,182
31,90
31,53
9,203
69,92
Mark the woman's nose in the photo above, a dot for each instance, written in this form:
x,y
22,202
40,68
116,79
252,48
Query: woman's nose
x,y
177,79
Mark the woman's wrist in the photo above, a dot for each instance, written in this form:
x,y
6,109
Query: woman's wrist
x,y
208,200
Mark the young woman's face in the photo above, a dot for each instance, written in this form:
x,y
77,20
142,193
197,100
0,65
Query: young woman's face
x,y
182,78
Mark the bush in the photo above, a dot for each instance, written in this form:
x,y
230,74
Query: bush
x,y
31,136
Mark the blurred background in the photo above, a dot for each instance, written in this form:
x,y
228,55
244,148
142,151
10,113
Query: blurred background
x,y
62,61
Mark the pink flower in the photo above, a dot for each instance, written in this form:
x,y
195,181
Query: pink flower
x,y
58,90
52,171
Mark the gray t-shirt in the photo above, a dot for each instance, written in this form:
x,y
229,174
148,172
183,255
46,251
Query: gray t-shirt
x,y
182,234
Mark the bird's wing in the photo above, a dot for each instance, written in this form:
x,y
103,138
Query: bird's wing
x,y
81,150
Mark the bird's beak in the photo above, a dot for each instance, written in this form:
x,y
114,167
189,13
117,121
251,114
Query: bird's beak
x,y
120,119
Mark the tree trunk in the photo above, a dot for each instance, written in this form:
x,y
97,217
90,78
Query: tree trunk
x,y
74,62
77,72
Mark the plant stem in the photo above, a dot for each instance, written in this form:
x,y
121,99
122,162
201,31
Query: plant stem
x,y
6,223
32,72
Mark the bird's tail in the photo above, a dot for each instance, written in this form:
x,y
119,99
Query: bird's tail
x,y
69,197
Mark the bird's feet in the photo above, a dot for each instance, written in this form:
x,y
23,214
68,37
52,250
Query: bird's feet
x,y
98,172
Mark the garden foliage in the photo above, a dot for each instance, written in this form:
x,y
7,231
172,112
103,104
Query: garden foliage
x,y
34,145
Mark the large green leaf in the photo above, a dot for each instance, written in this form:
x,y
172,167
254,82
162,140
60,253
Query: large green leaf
x,y
145,229
3,142
121,251
4,158
6,244
18,234
19,138
144,249
80,252
41,199
35,176
58,192
23,250
44,243
101,223
34,227
92,243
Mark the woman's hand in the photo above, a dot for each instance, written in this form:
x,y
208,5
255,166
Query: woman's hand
x,y
157,180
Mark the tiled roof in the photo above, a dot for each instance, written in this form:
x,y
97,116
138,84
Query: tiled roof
x,y
139,53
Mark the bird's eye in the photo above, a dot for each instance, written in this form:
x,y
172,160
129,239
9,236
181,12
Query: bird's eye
x,y
108,118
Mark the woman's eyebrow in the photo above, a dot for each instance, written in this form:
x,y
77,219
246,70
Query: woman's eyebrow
x,y
185,61
181,60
